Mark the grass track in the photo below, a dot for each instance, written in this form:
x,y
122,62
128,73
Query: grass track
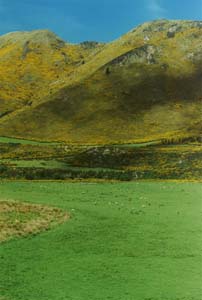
x,y
7,140
125,241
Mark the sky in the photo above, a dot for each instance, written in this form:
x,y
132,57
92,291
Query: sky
x,y
93,20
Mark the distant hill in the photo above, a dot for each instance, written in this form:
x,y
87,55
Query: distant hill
x,y
147,85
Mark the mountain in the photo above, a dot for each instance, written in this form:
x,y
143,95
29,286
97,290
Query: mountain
x,y
147,85
33,65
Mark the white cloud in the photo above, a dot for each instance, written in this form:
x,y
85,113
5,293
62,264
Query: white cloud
x,y
156,9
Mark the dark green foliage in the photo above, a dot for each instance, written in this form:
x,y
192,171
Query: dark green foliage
x,y
58,174
107,71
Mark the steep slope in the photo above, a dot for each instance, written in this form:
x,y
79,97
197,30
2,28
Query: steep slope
x,y
35,64
146,85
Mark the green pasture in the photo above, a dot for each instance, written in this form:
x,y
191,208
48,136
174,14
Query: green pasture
x,y
124,241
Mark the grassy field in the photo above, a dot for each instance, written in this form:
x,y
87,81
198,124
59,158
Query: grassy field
x,y
35,163
124,241
11,140
7,140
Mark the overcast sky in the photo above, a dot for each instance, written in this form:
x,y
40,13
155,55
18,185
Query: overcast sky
x,y
102,20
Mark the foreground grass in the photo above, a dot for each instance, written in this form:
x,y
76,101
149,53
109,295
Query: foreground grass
x,y
125,241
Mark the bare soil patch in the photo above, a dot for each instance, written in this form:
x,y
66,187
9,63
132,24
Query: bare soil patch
x,y
21,219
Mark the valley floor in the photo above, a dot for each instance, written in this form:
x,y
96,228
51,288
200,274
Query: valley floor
x,y
124,241
23,159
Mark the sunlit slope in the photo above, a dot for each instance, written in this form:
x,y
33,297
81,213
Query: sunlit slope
x,y
146,85
34,65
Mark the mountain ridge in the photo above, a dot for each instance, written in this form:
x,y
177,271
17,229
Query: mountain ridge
x,y
112,92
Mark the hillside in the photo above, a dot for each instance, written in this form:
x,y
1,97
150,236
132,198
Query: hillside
x,y
147,85
34,64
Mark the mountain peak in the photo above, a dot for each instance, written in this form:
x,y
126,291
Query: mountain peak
x,y
41,37
165,25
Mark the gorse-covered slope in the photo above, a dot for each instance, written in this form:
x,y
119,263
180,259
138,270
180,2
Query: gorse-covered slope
x,y
34,65
147,85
